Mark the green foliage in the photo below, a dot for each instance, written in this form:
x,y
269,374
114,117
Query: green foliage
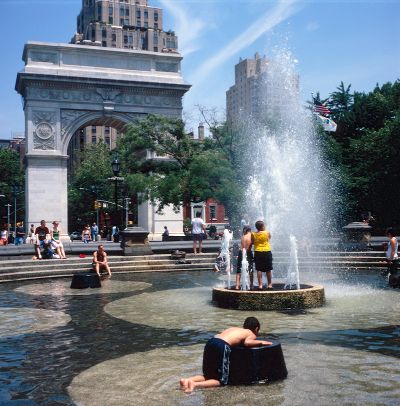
x,y
90,183
162,163
366,148
11,174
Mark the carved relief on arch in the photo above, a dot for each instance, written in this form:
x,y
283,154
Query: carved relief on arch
x,y
68,118
44,130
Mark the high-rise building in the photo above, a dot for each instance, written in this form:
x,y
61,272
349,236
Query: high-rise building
x,y
130,24
242,97
258,90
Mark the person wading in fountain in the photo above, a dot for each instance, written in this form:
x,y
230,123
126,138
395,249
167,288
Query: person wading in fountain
x,y
262,253
245,243
392,258
216,357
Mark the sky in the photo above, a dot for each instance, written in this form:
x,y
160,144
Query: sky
x,y
354,41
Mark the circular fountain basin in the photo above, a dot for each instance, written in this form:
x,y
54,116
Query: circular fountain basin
x,y
308,296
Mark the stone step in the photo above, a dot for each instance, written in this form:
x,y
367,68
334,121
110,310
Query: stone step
x,y
23,275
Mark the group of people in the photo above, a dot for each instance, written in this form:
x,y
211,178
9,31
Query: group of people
x,y
258,253
47,242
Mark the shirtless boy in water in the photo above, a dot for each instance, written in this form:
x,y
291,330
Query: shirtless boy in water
x,y
216,355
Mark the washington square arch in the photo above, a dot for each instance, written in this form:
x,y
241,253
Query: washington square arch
x,y
67,87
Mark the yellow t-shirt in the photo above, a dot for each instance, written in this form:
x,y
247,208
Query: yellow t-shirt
x,y
261,241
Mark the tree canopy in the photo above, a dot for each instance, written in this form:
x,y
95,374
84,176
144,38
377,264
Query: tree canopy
x,y
366,150
163,163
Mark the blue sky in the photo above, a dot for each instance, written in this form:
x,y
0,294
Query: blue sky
x,y
354,41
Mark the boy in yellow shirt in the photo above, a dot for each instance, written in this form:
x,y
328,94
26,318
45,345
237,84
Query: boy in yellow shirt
x,y
262,253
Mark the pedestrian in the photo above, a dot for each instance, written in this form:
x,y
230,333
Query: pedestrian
x,y
392,257
19,234
165,234
198,226
4,235
115,234
31,235
86,234
95,231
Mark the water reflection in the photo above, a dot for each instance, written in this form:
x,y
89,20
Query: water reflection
x,y
154,332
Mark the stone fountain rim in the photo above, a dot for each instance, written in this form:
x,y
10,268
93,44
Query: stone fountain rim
x,y
314,287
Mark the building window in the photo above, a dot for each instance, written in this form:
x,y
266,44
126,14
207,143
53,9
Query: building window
x,y
107,130
146,14
108,141
155,16
94,139
104,44
146,24
125,39
138,23
155,39
127,12
113,37
93,34
110,10
110,20
94,129
137,13
156,26
99,11
213,211
155,49
104,33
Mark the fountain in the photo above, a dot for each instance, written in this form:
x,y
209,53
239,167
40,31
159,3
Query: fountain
x,y
287,188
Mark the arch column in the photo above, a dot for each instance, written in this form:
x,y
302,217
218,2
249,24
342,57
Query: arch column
x,y
46,191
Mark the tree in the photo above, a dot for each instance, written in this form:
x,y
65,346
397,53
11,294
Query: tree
x,y
163,164
90,182
11,175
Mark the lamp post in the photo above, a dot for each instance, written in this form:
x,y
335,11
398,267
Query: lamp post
x,y
8,219
116,168
16,190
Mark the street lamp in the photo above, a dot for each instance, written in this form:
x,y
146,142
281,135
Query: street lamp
x,y
8,219
116,168
16,190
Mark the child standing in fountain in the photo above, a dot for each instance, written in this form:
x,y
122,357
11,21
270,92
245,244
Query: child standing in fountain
x,y
245,243
262,253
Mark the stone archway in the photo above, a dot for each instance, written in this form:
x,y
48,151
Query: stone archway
x,y
65,87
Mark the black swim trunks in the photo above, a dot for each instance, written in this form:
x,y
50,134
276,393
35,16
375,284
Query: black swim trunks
x,y
263,261
250,260
216,360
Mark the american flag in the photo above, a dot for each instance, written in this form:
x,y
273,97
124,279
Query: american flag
x,y
320,108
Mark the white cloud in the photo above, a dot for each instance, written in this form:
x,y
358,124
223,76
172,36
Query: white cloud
x,y
188,28
280,12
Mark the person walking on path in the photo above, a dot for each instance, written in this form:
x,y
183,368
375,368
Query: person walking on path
x,y
198,226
